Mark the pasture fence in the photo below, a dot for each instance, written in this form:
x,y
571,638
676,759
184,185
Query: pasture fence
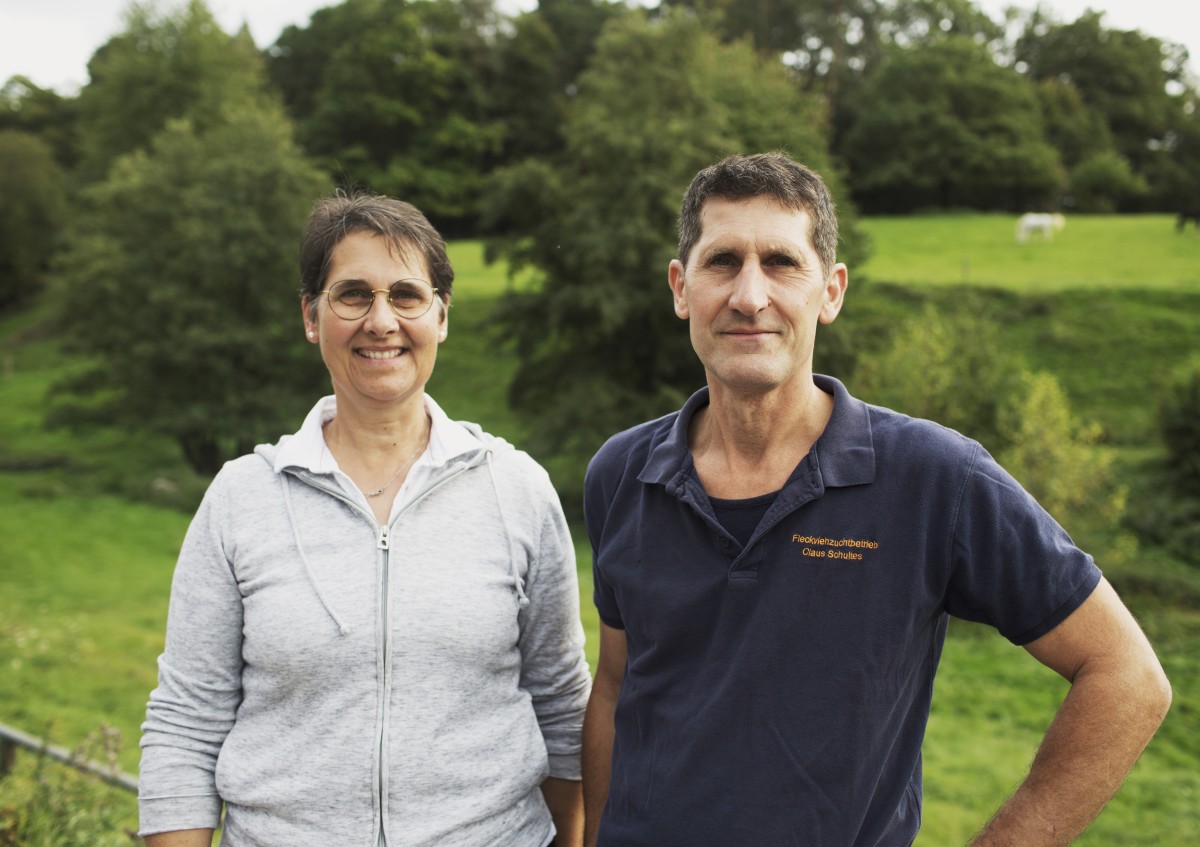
x,y
12,740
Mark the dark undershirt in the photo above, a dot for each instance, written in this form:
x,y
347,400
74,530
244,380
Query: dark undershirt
x,y
741,517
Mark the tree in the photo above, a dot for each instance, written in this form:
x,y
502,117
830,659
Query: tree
x,y
391,95
31,215
162,66
537,66
945,126
1101,182
598,344
43,113
1073,128
179,287
1125,76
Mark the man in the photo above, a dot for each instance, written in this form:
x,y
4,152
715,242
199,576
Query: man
x,y
776,562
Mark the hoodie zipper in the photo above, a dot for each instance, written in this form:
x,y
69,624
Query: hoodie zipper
x,y
383,543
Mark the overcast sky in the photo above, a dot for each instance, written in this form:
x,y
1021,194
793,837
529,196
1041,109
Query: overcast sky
x,y
50,41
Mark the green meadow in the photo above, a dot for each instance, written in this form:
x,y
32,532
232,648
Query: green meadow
x,y
1142,252
90,524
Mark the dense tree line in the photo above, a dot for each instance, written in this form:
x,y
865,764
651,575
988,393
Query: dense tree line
x,y
173,184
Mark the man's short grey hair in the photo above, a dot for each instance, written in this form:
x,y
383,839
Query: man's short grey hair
x,y
775,175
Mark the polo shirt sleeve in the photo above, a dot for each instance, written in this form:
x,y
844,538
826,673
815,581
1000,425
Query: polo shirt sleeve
x,y
597,503
1013,566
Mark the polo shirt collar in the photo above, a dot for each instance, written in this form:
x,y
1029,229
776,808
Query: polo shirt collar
x,y
845,453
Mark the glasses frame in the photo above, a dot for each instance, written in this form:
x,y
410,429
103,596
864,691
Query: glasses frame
x,y
328,294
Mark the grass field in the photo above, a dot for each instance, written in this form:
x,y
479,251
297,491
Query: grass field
x,y
90,524
1142,252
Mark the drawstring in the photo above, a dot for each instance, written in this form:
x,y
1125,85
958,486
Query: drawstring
x,y
287,499
522,598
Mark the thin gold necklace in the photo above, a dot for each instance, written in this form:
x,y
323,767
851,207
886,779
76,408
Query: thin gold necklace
x,y
411,459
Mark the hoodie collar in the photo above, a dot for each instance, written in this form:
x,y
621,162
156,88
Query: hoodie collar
x,y
307,450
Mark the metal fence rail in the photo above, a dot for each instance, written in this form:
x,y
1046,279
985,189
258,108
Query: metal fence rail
x,y
13,739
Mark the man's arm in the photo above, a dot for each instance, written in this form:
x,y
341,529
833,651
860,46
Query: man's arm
x,y
598,728
565,801
1119,696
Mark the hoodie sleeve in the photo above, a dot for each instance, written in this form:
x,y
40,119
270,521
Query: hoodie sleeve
x,y
199,682
554,668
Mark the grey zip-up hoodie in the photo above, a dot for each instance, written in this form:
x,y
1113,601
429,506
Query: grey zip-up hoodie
x,y
329,678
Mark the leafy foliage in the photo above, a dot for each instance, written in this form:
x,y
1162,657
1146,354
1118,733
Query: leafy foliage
x,y
390,95
1054,457
537,66
163,66
950,369
175,285
1101,182
1179,423
1124,76
33,189
43,113
598,343
945,126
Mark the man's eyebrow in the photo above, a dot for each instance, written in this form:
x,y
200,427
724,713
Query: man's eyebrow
x,y
715,250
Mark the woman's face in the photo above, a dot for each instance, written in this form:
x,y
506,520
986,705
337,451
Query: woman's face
x,y
379,360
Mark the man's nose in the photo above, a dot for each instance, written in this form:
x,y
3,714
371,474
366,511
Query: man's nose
x,y
751,293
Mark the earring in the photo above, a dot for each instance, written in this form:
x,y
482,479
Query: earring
x,y
311,334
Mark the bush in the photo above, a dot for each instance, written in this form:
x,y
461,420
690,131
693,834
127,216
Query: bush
x,y
1179,424
30,216
1058,461
952,369
1103,182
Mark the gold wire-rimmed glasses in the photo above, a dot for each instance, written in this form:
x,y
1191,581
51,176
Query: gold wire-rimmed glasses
x,y
351,299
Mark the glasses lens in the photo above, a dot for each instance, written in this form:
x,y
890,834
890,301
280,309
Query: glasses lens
x,y
350,299
411,298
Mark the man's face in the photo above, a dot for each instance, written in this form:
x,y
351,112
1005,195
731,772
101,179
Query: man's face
x,y
753,292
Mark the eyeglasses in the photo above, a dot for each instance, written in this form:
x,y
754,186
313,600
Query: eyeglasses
x,y
409,298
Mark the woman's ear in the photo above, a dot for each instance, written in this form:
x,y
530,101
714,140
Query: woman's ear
x,y
308,313
443,319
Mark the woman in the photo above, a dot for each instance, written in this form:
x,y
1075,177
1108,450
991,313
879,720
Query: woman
x,y
373,635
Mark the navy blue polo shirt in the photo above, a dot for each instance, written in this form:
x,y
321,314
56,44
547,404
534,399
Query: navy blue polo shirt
x,y
777,693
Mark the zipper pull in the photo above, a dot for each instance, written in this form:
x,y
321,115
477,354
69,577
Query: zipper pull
x,y
383,537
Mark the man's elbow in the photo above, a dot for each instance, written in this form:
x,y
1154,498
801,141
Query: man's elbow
x,y
1147,694
1158,692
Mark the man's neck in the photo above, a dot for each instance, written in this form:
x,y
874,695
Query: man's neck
x,y
745,445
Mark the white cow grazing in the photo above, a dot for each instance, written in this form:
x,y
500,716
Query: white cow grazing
x,y
1039,223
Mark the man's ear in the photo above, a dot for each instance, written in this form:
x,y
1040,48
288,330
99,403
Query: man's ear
x,y
675,278
835,293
